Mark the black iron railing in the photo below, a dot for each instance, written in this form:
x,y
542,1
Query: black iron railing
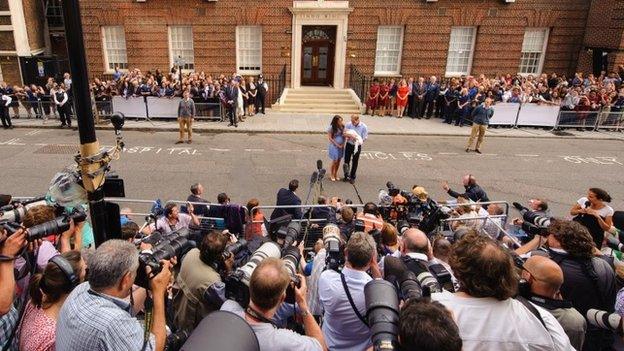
x,y
359,83
276,85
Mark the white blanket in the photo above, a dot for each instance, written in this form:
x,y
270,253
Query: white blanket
x,y
356,137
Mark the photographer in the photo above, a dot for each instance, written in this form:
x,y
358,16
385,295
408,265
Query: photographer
x,y
201,290
473,191
428,327
10,247
48,291
488,280
342,295
95,316
267,289
371,217
173,220
543,279
589,280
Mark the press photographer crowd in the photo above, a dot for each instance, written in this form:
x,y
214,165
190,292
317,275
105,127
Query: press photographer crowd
x,y
405,272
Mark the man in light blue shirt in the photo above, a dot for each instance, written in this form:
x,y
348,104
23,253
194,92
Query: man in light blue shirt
x,y
353,149
344,327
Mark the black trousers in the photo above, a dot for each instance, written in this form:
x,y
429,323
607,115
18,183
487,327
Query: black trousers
x,y
429,107
349,155
64,113
231,112
260,103
5,117
410,106
419,106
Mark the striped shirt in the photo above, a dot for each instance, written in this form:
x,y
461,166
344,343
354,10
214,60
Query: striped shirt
x,y
92,321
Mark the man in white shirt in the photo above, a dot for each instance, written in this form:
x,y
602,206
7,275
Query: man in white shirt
x,y
487,316
344,326
5,101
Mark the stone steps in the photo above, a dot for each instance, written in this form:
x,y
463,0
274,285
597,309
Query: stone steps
x,y
318,100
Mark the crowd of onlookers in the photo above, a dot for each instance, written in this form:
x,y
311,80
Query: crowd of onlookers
x,y
477,289
454,98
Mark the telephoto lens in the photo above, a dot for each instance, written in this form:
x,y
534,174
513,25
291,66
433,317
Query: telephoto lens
x,y
237,283
331,240
289,234
410,289
291,257
234,249
54,227
382,310
172,246
605,320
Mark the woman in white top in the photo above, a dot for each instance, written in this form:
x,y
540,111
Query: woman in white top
x,y
594,205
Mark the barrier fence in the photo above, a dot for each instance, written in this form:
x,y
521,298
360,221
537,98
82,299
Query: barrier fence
x,y
506,114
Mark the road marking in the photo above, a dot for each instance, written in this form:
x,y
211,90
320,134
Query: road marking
x,y
13,141
34,132
601,160
219,150
286,150
527,155
41,144
254,150
489,154
448,153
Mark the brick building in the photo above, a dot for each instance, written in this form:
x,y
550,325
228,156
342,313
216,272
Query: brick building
x,y
318,40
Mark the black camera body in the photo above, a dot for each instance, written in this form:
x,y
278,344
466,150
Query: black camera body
x,y
175,244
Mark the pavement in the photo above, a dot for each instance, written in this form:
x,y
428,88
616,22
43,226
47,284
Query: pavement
x,y
275,122
247,165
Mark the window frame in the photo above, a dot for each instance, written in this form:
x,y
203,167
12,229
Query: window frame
x,y
238,53
540,67
105,49
448,73
192,49
401,39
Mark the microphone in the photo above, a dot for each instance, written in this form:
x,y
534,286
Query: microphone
x,y
605,320
314,177
319,164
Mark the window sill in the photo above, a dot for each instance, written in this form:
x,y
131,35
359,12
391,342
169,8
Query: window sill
x,y
249,73
388,75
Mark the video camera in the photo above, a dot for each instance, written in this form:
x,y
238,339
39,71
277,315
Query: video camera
x,y
53,227
175,244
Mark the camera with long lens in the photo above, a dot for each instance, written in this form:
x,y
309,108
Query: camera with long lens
x,y
56,226
175,244
288,234
16,210
234,249
533,224
606,320
382,311
291,257
408,284
237,282
334,258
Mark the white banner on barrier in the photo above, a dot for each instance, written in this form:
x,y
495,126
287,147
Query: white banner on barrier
x,y
131,107
163,107
505,113
538,115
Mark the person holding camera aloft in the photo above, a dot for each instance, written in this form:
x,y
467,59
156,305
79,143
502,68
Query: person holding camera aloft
x,y
201,290
95,316
487,316
267,290
342,295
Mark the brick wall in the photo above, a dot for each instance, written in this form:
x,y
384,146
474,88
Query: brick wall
x,y
33,13
427,28
10,70
605,24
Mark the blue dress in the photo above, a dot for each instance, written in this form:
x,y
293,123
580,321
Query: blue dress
x,y
335,153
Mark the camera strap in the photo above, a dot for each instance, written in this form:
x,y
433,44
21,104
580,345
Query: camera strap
x,y
258,316
346,289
